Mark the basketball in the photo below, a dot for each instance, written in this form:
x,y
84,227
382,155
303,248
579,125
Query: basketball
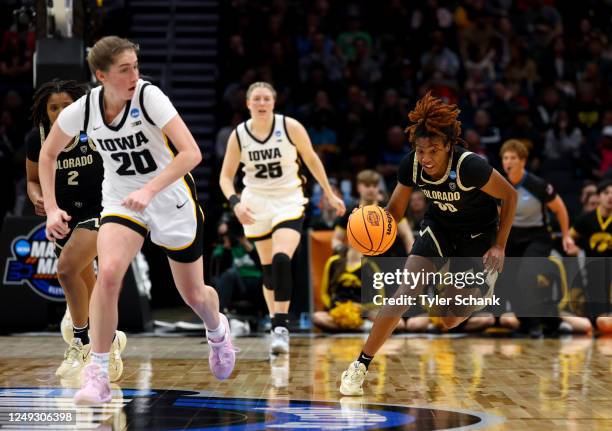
x,y
371,230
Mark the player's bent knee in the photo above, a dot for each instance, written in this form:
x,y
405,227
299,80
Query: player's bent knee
x,y
66,269
195,296
108,278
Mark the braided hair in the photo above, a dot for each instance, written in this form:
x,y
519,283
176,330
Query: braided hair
x,y
41,97
432,117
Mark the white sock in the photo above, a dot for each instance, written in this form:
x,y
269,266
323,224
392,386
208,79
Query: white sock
x,y
102,360
216,335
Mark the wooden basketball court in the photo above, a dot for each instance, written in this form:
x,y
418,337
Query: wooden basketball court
x,y
413,384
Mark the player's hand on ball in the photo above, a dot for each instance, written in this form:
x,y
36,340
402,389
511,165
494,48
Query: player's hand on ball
x,y
138,200
493,259
337,204
57,224
244,214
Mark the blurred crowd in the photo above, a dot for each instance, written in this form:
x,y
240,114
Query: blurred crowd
x,y
535,70
17,45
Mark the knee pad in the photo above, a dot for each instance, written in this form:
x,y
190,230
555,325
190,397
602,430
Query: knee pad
x,y
267,276
282,280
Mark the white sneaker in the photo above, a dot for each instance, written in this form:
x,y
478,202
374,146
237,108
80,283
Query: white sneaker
x,y
280,340
351,382
239,328
66,327
115,363
75,358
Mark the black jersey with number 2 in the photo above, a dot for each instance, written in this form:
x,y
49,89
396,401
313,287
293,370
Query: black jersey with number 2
x,y
455,201
78,175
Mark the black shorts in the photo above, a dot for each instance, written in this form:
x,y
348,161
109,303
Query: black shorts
x,y
438,244
435,241
89,222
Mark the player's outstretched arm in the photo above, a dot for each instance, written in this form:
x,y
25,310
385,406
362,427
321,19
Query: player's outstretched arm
x,y
57,219
399,201
500,188
231,161
299,137
405,233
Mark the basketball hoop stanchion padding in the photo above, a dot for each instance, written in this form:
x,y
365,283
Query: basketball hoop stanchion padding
x,y
31,297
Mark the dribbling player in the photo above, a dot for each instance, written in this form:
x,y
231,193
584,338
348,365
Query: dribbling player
x,y
461,220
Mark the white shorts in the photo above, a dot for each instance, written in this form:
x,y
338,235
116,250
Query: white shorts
x,y
173,218
272,213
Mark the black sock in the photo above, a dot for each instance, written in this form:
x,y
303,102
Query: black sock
x,y
81,333
280,319
365,359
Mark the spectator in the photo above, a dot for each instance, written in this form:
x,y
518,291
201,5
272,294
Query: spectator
x,y
439,61
341,292
547,110
394,150
605,150
235,268
563,141
321,54
346,40
490,136
416,209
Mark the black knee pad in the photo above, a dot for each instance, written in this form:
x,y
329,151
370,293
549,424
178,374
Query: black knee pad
x,y
282,280
267,276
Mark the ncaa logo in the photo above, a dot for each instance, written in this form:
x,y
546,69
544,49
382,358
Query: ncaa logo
x,y
34,264
191,410
452,175
277,133
83,137
134,113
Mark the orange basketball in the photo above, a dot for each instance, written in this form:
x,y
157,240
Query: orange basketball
x,y
371,230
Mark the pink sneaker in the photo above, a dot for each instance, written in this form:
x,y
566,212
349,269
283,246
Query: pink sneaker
x,y
96,387
222,355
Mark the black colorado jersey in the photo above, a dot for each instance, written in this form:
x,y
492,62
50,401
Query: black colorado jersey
x,y
455,201
78,175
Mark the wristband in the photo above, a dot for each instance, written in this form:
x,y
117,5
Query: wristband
x,y
233,201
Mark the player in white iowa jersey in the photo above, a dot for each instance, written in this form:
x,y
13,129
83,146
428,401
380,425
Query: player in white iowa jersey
x,y
146,189
271,207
